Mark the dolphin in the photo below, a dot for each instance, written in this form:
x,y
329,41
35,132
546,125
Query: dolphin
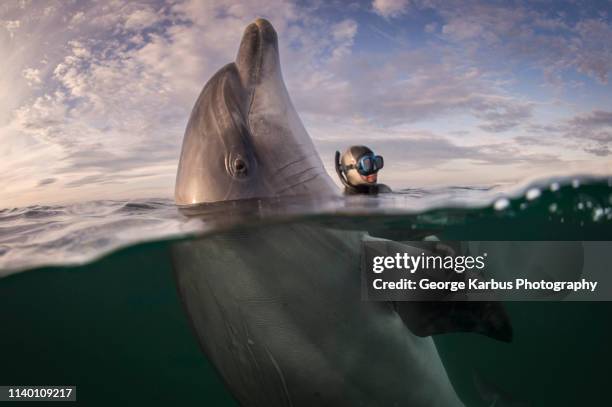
x,y
277,308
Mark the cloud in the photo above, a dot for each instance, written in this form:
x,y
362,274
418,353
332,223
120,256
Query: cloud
x,y
594,119
431,28
601,151
94,179
390,8
343,34
140,19
32,76
592,47
590,132
12,26
46,181
407,87
553,42
425,149
503,115
533,141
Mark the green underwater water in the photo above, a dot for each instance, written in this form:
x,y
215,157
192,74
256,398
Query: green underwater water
x,y
116,329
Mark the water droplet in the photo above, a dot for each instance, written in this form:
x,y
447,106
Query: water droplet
x,y
598,213
575,183
553,207
532,194
554,186
501,204
580,206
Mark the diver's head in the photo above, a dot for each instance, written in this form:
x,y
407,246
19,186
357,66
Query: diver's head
x,y
360,166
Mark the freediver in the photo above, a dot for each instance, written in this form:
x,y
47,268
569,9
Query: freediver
x,y
358,171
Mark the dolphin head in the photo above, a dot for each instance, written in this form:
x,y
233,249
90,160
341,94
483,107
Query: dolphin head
x,y
244,138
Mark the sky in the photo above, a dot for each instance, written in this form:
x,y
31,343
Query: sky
x,y
95,96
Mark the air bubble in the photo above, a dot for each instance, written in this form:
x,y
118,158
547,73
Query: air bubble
x,y
598,213
501,204
575,183
532,194
553,207
554,186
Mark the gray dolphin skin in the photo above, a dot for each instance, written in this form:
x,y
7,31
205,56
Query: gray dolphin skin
x,y
277,309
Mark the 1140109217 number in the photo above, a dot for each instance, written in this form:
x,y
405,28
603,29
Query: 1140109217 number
x,y
38,392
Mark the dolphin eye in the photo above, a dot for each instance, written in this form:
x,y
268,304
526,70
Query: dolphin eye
x,y
240,167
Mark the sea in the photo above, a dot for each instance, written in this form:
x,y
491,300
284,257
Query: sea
x,y
88,295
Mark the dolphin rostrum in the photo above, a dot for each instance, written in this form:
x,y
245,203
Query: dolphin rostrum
x,y
277,309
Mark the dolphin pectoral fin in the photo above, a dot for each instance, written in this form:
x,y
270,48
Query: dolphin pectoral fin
x,y
425,318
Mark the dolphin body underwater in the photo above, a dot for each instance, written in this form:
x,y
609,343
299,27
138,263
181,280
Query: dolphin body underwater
x,y
277,309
